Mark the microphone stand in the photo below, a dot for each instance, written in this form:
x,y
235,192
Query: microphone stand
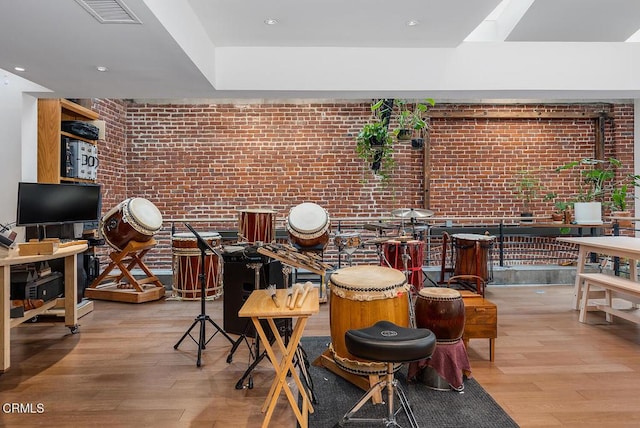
x,y
202,318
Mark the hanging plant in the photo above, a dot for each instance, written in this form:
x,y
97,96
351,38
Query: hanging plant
x,y
374,143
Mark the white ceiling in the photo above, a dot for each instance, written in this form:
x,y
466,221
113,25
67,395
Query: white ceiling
x,y
321,49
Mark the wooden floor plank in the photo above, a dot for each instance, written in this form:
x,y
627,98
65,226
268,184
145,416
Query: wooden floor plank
x,y
121,369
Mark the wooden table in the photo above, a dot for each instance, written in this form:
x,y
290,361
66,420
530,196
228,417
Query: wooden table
x,y
615,246
70,293
259,306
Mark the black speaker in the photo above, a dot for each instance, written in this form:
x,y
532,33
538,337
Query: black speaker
x,y
238,283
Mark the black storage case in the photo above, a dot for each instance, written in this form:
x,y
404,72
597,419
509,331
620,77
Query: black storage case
x,y
46,288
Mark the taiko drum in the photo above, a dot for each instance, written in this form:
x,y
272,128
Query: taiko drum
x,y
441,310
257,225
361,296
308,226
472,254
134,219
187,265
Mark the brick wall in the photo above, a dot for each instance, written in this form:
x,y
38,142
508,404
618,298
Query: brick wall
x,y
208,161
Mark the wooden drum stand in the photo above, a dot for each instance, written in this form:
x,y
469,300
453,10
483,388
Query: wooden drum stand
x,y
132,290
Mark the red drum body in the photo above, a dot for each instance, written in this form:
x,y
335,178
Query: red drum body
x,y
134,219
394,254
441,310
361,296
187,265
472,254
308,226
257,225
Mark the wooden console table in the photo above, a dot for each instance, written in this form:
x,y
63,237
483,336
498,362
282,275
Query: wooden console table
x,y
259,306
70,292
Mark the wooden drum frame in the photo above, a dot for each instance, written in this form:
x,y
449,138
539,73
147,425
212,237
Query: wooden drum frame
x,y
187,265
361,296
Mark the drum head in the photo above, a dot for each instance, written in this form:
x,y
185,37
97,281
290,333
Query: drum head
x,y
145,214
258,211
308,218
368,277
439,293
472,237
189,236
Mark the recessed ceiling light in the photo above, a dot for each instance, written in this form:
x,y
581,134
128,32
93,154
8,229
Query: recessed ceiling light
x,y
19,69
413,23
270,21
102,68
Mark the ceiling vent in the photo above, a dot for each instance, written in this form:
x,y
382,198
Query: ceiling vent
x,y
110,11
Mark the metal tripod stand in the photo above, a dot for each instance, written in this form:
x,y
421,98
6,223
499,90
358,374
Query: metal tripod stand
x,y
202,318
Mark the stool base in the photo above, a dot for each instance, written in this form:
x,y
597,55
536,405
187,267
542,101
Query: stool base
x,y
393,389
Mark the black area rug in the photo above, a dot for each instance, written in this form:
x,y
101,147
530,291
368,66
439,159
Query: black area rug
x,y
335,396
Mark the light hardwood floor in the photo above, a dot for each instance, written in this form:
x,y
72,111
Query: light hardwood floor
x,y
121,369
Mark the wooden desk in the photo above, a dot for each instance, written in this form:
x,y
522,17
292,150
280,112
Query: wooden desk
x,y
615,246
259,306
70,293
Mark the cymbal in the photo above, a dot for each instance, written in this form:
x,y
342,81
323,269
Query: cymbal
x,y
379,226
411,213
376,241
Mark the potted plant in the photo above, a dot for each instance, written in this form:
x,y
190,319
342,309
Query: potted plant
x,y
561,213
597,177
526,187
374,142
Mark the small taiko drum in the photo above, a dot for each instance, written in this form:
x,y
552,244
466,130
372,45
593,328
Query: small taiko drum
x,y
257,225
308,226
396,252
347,242
134,219
472,254
187,266
440,310
361,296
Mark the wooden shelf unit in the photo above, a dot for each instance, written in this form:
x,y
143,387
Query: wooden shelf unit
x,y
51,113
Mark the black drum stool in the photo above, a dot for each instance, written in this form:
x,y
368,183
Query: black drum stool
x,y
389,343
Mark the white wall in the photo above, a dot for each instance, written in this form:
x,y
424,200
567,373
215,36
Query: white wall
x,y
18,139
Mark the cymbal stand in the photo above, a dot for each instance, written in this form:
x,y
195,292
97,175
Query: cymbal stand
x,y
405,263
203,318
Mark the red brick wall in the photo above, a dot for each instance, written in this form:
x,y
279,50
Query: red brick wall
x,y
208,161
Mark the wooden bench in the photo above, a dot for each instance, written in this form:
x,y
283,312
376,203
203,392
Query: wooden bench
x,y
609,283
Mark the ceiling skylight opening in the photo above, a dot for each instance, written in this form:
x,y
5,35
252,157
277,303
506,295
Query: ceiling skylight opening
x,y
635,37
500,22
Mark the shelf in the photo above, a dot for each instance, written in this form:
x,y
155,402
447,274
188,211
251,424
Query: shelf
x,y
51,113
33,313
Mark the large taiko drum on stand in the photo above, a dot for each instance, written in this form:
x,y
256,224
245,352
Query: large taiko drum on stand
x,y
257,225
441,310
308,226
396,252
361,296
187,266
134,219
471,255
